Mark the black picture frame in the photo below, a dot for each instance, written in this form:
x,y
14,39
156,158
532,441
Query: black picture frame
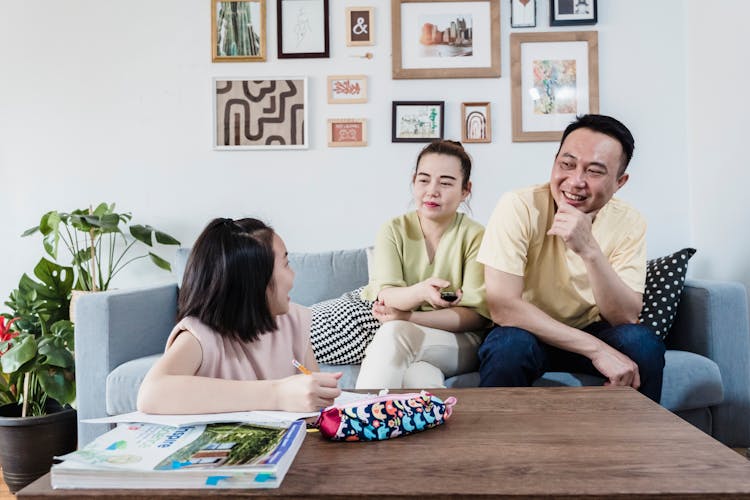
x,y
572,12
281,21
420,132
515,22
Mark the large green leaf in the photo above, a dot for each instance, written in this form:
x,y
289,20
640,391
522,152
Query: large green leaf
x,y
165,239
23,350
159,261
54,353
142,233
53,289
30,231
59,384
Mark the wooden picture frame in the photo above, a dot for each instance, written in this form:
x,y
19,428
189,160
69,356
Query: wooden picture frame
x,y
360,26
347,132
346,89
572,12
302,29
554,77
468,46
417,121
229,43
476,122
523,13
260,113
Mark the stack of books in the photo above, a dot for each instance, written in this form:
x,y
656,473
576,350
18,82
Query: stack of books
x,y
210,455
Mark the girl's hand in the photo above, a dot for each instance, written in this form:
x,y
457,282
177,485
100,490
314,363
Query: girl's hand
x,y
303,393
384,314
433,287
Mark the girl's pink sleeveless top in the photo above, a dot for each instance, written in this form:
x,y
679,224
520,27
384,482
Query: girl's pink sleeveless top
x,y
266,358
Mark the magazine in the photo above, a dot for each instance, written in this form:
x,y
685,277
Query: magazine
x,y
215,455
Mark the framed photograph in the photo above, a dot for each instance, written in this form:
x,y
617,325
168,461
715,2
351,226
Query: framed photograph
x,y
238,31
522,13
476,124
347,89
445,38
360,26
554,77
302,28
257,113
417,121
572,12
347,132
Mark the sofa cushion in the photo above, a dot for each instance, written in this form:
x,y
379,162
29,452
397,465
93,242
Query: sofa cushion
x,y
665,278
123,383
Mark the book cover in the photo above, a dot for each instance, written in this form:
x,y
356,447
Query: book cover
x,y
217,455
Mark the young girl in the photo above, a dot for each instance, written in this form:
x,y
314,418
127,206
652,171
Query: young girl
x,y
237,332
424,336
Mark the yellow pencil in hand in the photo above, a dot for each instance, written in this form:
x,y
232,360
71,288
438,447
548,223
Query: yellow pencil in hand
x,y
301,367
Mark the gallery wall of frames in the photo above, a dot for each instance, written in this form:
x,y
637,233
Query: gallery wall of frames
x,y
553,77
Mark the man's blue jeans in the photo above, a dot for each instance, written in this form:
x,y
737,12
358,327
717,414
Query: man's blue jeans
x,y
513,357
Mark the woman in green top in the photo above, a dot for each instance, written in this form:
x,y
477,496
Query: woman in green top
x,y
425,336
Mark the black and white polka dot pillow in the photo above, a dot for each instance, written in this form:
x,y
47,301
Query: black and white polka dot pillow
x,y
665,278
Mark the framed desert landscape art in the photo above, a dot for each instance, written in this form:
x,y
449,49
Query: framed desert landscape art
x,y
554,77
360,25
476,123
262,113
347,89
417,121
345,132
445,38
302,28
238,31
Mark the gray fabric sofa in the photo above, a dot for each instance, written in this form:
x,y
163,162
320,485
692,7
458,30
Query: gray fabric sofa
x,y
119,334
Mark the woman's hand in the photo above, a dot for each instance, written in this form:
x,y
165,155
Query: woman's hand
x,y
303,393
384,313
430,290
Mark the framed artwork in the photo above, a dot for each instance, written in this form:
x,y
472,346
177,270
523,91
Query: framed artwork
x,y
572,12
445,38
554,77
360,26
302,28
347,132
238,30
417,121
259,113
347,89
522,13
476,125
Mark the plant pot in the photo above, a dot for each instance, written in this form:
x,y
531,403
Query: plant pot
x,y
28,444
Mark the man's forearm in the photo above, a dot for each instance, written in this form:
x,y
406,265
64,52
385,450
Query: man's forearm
x,y
618,303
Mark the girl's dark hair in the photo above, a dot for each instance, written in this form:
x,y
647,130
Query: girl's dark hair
x,y
226,278
450,148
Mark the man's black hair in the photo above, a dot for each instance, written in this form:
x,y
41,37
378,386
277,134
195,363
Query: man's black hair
x,y
608,126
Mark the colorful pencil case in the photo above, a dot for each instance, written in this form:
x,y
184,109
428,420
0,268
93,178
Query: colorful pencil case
x,y
384,417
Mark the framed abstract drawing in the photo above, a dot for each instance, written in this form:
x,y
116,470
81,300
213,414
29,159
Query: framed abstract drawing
x,y
347,89
572,12
554,77
238,31
476,124
445,38
260,113
522,13
417,121
360,26
343,132
302,28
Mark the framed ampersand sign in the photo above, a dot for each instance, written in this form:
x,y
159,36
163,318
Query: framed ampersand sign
x,y
359,26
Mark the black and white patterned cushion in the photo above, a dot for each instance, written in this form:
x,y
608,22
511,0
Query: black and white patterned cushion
x,y
665,278
342,328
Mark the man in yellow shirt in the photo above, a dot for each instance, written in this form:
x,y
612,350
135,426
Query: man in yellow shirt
x,y
565,270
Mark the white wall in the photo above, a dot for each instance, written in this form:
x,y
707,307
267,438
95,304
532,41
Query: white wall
x,y
719,123
111,101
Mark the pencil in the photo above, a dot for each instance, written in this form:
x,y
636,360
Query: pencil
x,y
301,367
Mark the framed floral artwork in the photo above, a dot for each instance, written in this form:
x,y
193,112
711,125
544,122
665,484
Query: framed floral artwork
x,y
260,113
346,132
238,31
476,124
554,77
445,38
347,89
417,121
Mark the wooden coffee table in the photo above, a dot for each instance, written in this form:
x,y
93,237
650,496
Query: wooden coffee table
x,y
591,442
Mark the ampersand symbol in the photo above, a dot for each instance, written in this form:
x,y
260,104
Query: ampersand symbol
x,y
360,28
